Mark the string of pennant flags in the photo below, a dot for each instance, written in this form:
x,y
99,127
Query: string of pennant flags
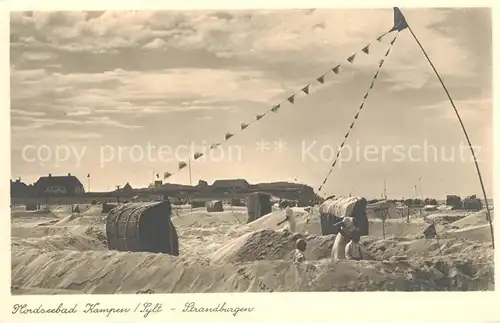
x,y
400,24
336,69
375,76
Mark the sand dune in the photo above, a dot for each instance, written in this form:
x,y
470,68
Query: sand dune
x,y
113,272
60,242
475,218
221,253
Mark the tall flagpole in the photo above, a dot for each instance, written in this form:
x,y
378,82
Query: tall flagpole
x,y
190,183
488,215
189,163
421,193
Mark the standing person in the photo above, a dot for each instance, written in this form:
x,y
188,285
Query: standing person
x,y
338,249
290,218
292,221
353,249
300,248
346,227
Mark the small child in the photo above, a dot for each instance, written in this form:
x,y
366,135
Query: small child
x,y
300,248
353,249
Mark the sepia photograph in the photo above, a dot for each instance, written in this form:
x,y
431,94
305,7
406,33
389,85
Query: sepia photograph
x,y
259,151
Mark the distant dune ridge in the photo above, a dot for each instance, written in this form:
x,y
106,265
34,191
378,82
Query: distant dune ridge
x,y
59,252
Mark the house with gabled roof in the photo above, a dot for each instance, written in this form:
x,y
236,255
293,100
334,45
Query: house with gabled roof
x,y
127,188
59,185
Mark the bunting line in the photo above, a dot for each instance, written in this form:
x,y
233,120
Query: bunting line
x,y
358,112
276,108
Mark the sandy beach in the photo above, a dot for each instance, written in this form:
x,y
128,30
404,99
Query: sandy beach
x,y
58,252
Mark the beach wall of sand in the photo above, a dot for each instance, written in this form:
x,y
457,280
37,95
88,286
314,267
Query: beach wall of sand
x,y
106,272
63,253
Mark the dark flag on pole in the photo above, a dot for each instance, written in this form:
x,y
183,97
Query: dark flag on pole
x,y
88,180
399,20
157,175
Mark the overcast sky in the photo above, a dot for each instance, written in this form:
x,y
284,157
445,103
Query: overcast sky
x,y
96,80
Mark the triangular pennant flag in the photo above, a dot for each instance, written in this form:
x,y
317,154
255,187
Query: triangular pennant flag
x,y
345,137
352,125
166,175
243,126
387,53
213,146
259,116
350,59
334,163
319,189
336,69
399,20
228,135
361,106
291,99
379,38
306,89
181,165
393,41
356,116
197,155
321,79
366,95
376,75
276,108
366,49
371,85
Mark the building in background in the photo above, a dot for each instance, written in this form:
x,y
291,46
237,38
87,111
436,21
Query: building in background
x,y
19,189
58,185
230,185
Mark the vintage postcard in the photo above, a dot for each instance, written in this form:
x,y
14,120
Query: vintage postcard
x,y
204,163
